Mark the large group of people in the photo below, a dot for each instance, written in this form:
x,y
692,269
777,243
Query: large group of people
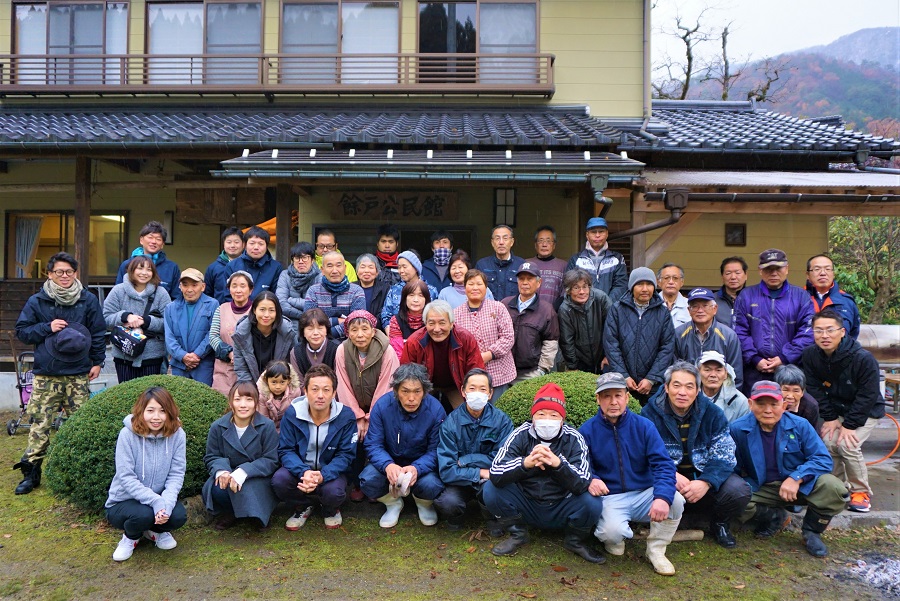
x,y
379,382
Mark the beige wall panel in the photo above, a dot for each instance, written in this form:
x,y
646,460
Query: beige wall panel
x,y
701,248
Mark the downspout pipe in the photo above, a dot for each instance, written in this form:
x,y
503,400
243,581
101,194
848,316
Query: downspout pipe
x,y
675,200
647,109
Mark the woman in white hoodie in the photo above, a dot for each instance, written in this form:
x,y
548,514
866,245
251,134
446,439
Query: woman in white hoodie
x,y
150,465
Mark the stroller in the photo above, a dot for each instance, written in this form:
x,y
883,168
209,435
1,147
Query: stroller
x,y
24,384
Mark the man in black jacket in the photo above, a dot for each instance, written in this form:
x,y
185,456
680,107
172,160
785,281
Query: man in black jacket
x,y
535,324
844,378
65,324
540,476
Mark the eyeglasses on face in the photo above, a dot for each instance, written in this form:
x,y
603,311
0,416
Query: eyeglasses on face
x,y
326,246
821,269
63,272
829,331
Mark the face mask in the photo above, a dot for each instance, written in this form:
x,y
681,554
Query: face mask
x,y
547,429
442,256
476,400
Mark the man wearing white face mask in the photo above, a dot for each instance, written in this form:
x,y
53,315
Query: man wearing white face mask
x,y
470,438
540,476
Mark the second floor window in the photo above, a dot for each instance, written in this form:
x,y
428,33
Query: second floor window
x,y
185,34
65,30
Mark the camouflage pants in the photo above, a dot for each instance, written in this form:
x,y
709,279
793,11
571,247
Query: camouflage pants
x,y
49,395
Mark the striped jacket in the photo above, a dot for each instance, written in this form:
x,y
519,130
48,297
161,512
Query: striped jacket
x,y
572,477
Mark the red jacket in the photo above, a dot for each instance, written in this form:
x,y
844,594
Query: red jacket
x,y
464,353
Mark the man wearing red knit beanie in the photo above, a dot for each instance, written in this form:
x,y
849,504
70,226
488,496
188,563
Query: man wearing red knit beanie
x,y
540,476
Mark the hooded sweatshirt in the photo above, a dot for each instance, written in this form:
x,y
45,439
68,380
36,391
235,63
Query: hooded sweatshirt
x,y
149,469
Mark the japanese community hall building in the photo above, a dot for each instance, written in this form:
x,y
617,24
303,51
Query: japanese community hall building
x,y
454,115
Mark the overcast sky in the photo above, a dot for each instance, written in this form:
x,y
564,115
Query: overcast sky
x,y
770,27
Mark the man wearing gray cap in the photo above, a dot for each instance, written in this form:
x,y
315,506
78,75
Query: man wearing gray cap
x,y
605,265
704,333
638,338
633,473
772,320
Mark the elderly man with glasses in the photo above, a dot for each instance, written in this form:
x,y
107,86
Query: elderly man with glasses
x,y
825,292
704,333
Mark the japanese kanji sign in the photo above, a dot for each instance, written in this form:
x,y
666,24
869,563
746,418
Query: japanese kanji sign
x,y
407,205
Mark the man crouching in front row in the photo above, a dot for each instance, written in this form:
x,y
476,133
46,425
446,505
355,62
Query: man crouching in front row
x,y
540,476
785,463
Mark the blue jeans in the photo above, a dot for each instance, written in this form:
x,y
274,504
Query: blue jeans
x,y
580,512
632,506
374,484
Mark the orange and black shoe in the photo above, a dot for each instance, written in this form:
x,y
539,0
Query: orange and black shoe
x,y
859,502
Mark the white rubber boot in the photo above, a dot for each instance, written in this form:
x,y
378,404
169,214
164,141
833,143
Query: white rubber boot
x,y
661,534
427,515
393,507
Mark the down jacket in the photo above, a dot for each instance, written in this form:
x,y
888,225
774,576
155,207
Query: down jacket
x,y
265,273
846,384
709,439
772,327
639,346
581,331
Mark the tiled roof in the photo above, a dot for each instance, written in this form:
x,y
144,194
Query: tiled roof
x,y
98,127
741,127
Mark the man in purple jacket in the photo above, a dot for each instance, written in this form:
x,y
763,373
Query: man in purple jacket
x,y
772,320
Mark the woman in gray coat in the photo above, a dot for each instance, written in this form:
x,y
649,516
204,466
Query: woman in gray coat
x,y
241,456
126,305
262,336
296,280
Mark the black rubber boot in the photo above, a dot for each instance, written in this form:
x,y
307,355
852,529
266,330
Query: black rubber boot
x,y
578,542
769,521
518,536
491,524
722,532
814,524
32,476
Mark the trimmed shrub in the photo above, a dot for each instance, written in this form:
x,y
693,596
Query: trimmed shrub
x,y
581,402
81,461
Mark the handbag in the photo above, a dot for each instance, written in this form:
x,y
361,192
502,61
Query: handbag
x,y
131,342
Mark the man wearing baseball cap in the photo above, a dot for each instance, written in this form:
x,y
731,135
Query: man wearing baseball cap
x,y
785,463
607,266
717,385
633,473
704,333
187,329
772,320
535,324
540,476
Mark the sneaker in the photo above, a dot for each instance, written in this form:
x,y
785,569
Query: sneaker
x,y
859,502
298,520
334,521
163,540
125,548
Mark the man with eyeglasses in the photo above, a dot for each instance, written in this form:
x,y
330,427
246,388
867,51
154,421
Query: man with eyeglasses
x,y
844,378
825,292
326,243
551,268
500,268
704,333
670,278
65,324
772,320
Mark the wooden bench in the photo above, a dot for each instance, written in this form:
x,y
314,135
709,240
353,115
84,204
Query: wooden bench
x,y
892,383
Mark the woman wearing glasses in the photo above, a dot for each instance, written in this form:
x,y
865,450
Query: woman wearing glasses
x,y
296,280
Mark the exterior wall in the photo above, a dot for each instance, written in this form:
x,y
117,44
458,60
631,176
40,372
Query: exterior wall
x,y
700,250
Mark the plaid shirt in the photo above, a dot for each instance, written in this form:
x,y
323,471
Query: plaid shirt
x,y
493,329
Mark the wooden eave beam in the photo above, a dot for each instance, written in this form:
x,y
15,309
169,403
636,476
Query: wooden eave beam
x,y
130,165
873,209
659,246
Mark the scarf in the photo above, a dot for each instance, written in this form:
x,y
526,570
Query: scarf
x,y
302,281
442,256
339,288
63,296
414,320
139,252
390,261
240,310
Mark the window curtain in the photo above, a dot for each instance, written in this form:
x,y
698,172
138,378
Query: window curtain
x,y
175,29
28,231
508,28
370,28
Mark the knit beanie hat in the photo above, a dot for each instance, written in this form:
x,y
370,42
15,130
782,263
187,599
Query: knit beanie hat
x,y
641,274
550,396
413,259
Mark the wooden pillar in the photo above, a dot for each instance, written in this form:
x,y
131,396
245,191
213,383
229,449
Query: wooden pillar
x,y
82,216
639,242
285,200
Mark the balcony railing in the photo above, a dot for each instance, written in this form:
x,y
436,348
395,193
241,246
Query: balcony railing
x,y
473,74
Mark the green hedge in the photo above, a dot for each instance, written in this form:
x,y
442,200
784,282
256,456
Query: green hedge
x,y
81,461
579,386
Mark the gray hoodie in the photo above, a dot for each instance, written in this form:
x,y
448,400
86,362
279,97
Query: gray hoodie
x,y
149,469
